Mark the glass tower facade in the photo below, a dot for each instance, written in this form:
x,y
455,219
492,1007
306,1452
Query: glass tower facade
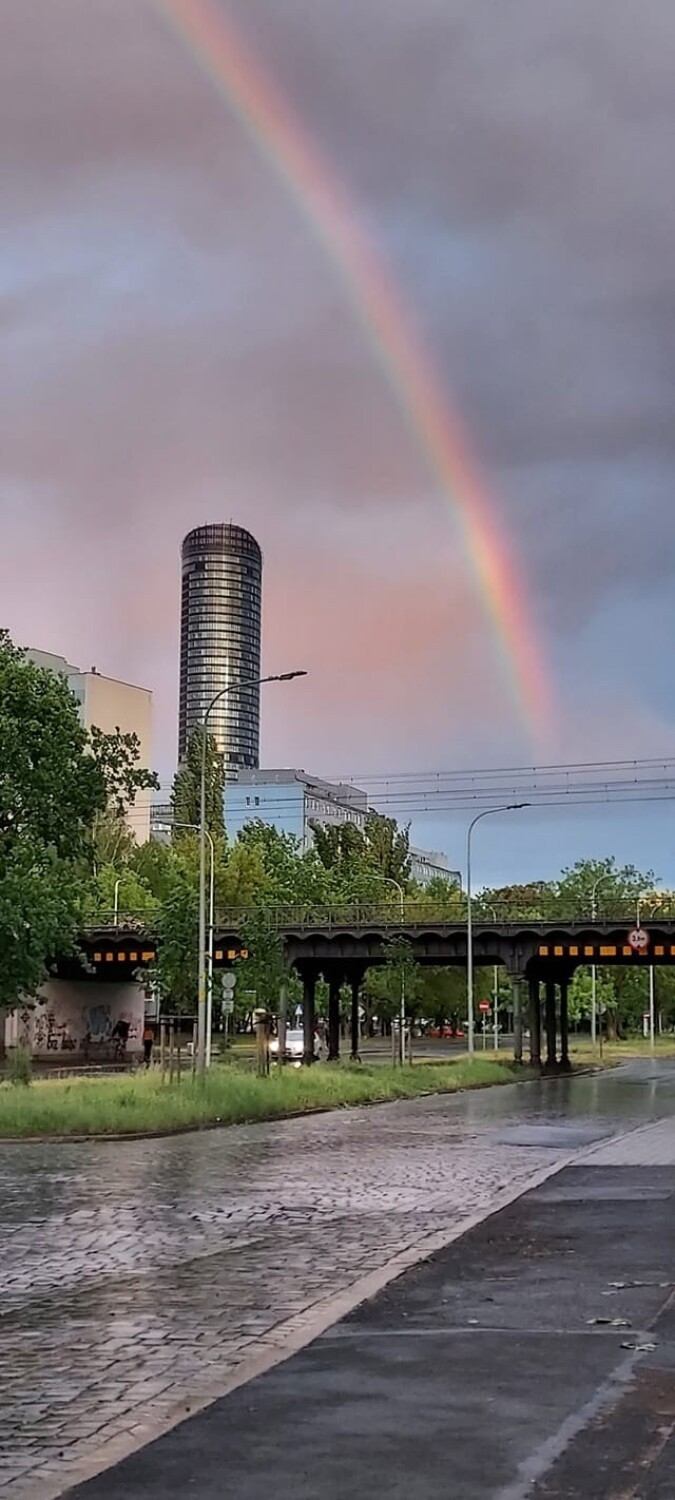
x,y
220,641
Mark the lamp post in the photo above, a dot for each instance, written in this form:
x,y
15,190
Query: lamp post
x,y
489,812
389,880
194,828
231,687
495,984
594,973
652,985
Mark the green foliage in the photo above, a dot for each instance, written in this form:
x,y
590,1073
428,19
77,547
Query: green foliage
x,y
116,756
176,969
186,791
19,1069
39,895
228,1095
50,789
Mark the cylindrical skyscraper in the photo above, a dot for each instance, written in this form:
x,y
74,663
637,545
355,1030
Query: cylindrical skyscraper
x,y
220,641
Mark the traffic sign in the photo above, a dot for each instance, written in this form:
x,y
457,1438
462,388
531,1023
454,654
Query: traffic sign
x,y
638,939
228,1006
484,1006
228,981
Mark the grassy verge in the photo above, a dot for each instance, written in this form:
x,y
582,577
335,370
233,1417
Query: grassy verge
x,y
581,1051
140,1102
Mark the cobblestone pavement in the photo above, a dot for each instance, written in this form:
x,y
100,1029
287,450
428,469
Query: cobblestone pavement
x,y
138,1276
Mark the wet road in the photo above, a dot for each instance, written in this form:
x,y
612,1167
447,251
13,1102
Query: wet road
x,y
137,1277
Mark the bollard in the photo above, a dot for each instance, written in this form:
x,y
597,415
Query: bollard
x,y
261,1022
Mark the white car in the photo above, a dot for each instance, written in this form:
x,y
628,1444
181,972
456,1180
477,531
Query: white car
x,y
295,1046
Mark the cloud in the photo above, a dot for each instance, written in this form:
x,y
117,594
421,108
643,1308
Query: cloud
x,y
178,347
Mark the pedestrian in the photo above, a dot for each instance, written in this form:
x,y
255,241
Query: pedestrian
x,y
148,1043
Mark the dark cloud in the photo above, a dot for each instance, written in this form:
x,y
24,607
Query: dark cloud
x,y
177,345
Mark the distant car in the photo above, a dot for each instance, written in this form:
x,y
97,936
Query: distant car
x,y
295,1046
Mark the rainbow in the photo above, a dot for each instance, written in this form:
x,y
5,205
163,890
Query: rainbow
x,y
268,121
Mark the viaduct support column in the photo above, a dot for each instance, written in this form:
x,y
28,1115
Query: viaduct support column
x,y
551,1059
564,1028
308,1014
517,1019
334,987
535,1024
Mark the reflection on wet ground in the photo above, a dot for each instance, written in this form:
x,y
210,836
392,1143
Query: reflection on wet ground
x,y
136,1274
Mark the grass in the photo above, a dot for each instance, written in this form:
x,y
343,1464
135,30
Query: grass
x,y
141,1102
581,1050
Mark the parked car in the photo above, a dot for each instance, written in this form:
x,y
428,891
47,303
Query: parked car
x,y
295,1046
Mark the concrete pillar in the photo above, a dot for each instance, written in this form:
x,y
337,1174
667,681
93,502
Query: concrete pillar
x,y
564,1028
309,1014
535,1024
551,1059
334,987
355,1027
517,1020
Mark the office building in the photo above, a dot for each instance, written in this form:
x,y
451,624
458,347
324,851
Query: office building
x,y
220,641
110,705
290,801
428,864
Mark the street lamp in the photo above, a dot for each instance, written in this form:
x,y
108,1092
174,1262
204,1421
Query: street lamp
x,y
495,983
594,972
489,812
194,828
389,880
231,687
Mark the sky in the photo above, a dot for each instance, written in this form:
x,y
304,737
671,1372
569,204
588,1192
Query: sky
x,y
178,349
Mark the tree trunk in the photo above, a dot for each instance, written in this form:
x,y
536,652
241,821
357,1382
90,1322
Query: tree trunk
x,y
3,1018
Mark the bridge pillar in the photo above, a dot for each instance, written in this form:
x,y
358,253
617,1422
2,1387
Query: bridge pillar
x,y
516,984
535,1024
334,987
551,1029
309,1014
564,1028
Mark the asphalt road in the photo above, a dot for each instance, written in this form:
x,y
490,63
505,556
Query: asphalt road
x,y
534,1359
141,1280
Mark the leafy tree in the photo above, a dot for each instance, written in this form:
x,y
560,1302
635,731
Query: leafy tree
x,y
389,847
50,792
186,790
113,842
614,886
116,756
266,968
338,845
50,789
175,971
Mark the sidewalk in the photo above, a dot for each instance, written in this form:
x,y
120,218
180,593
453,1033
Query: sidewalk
x,y
494,1371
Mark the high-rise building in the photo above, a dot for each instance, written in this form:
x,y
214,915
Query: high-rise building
x,y
220,641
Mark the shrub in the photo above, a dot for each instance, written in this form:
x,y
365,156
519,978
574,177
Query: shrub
x,y
19,1066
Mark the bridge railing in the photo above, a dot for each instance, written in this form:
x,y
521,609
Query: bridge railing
x,y
391,916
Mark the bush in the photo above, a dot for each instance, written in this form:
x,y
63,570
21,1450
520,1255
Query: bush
x,y
19,1066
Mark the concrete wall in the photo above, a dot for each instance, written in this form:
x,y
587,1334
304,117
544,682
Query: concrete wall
x,y
56,1026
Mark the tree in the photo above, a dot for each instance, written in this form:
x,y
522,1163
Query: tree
x,y
50,791
116,756
175,970
186,790
389,846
